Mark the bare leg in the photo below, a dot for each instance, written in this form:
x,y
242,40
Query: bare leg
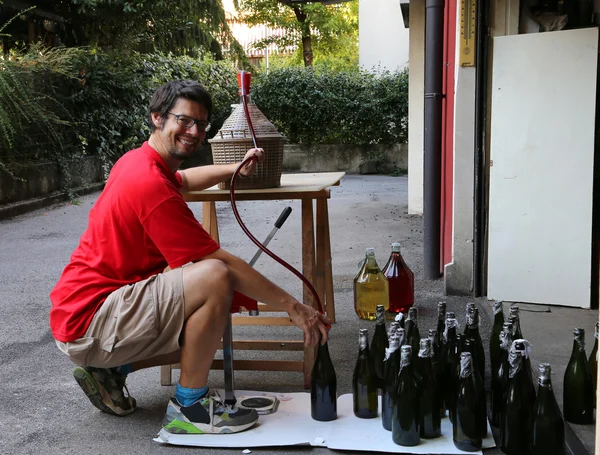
x,y
208,291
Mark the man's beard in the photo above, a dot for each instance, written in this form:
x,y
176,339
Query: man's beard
x,y
179,155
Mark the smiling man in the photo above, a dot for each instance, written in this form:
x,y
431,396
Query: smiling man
x,y
147,285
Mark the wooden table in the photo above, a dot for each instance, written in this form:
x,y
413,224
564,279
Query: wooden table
x,y
316,264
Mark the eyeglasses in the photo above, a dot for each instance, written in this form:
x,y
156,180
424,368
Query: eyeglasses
x,y
188,122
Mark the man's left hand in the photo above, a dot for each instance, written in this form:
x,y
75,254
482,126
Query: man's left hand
x,y
249,168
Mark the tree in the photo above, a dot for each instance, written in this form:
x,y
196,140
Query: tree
x,y
306,25
182,27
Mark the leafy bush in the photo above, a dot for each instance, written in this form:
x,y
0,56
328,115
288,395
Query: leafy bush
x,y
328,107
93,103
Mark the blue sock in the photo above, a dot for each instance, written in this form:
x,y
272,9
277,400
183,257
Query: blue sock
x,y
125,369
188,397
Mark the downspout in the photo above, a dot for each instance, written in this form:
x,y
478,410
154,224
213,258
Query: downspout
x,y
480,206
432,178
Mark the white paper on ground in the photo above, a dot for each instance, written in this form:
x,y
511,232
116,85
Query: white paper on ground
x,y
351,433
293,425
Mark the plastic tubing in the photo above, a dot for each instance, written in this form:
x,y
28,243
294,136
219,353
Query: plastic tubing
x,y
239,219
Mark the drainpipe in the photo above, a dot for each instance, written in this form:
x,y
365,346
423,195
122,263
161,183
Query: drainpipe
x,y
432,179
481,155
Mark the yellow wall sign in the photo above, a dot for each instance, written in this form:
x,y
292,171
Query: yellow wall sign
x,y
468,28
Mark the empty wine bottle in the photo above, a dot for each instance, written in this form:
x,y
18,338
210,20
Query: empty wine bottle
x,y
472,333
441,322
364,381
495,335
411,326
401,282
391,369
515,423
481,408
438,370
379,343
548,427
406,417
514,312
429,403
578,386
467,424
370,288
527,373
451,362
593,361
394,326
401,333
500,376
323,387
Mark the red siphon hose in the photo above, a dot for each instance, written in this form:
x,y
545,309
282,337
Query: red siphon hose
x,y
237,215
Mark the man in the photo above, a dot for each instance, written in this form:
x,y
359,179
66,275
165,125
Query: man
x,y
147,285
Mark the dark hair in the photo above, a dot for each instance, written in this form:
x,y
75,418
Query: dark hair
x,y
166,95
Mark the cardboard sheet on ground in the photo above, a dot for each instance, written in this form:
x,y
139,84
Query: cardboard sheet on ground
x,y
292,425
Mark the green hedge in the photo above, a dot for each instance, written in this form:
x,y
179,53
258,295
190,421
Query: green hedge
x,y
328,107
65,103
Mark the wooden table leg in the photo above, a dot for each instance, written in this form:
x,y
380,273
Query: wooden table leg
x,y
324,272
308,270
209,220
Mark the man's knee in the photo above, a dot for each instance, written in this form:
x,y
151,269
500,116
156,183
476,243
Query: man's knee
x,y
208,278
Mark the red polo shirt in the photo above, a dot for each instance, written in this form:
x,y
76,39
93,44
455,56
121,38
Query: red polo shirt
x,y
138,226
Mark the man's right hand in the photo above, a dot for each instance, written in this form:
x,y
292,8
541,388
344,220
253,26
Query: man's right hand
x,y
313,324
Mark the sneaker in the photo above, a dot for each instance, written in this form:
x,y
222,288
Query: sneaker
x,y
104,387
208,415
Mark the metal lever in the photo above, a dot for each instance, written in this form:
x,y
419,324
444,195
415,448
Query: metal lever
x,y
228,333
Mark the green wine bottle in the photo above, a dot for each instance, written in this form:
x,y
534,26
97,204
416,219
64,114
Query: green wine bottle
x,y
406,415
472,333
527,373
500,376
468,310
323,387
514,312
593,361
441,322
438,370
393,329
495,350
578,386
451,362
515,423
391,368
401,334
548,427
429,403
364,381
379,344
411,326
466,427
481,408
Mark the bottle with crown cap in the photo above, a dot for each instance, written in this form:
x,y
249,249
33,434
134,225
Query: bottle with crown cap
x,y
429,403
406,419
379,344
364,381
548,427
578,386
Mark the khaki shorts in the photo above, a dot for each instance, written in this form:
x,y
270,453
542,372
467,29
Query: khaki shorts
x,y
136,322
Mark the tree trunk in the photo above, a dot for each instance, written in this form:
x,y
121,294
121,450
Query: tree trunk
x,y
307,53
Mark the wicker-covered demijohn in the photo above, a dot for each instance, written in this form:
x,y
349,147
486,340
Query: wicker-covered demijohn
x,y
234,139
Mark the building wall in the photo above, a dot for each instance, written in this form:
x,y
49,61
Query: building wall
x,y
416,89
383,40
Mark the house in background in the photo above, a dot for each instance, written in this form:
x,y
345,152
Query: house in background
x,y
517,165
383,41
247,36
